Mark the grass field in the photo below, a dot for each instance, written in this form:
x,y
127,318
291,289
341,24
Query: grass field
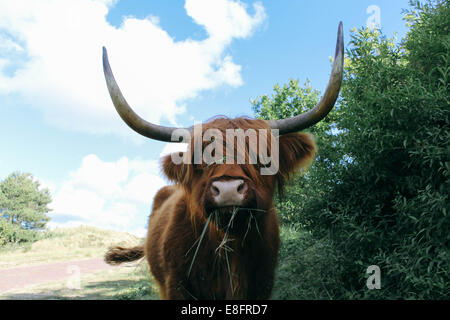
x,y
131,281
300,273
65,244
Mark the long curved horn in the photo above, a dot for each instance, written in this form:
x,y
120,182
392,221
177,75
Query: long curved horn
x,y
135,122
326,103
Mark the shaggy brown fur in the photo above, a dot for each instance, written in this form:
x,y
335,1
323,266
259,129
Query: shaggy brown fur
x,y
196,251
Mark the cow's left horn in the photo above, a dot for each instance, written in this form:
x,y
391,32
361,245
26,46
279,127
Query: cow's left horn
x,y
135,122
326,103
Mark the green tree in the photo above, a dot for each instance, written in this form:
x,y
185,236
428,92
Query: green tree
x,y
23,208
379,190
288,101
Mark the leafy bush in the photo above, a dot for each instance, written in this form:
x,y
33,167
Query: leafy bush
x,y
11,233
308,268
378,192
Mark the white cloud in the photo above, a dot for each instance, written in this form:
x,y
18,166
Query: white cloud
x,y
111,195
7,45
54,47
225,19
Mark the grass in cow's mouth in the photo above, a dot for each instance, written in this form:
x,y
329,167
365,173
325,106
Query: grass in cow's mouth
x,y
224,246
232,209
199,243
230,224
229,271
233,215
249,226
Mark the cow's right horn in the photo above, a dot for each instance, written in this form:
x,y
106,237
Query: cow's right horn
x,y
326,103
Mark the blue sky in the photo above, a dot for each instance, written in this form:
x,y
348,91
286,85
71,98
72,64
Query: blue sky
x,y
176,62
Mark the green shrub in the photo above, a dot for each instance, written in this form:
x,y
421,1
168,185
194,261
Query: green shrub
x,y
378,192
308,268
14,234
389,204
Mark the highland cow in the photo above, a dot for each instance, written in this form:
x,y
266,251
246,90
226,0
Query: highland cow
x,y
214,233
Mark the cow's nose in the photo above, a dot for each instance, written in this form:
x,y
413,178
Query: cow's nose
x,y
229,193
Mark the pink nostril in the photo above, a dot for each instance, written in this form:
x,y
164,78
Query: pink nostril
x,y
242,188
215,190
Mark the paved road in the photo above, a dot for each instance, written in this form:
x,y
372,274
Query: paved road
x,y
20,277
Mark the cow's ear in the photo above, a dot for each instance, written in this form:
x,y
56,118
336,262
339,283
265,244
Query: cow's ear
x,y
176,171
296,150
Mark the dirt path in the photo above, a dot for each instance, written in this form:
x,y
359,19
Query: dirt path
x,y
20,277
